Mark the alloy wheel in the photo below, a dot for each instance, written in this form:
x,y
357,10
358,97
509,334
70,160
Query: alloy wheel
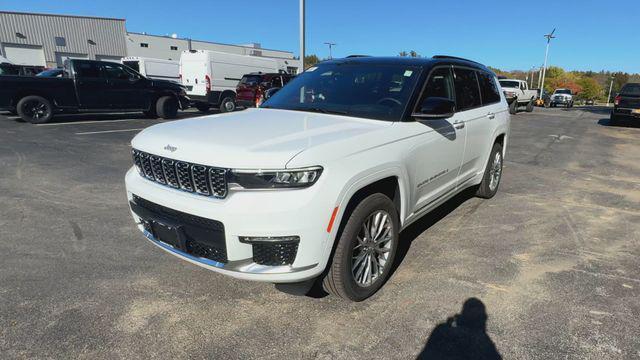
x,y
495,171
371,253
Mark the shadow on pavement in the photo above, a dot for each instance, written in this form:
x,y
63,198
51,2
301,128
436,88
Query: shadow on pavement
x,y
462,336
628,123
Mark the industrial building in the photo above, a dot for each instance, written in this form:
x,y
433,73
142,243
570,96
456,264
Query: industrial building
x,y
48,39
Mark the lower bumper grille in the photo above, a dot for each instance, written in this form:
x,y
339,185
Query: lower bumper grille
x,y
274,254
194,235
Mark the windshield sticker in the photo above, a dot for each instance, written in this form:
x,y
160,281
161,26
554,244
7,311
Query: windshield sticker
x,y
408,73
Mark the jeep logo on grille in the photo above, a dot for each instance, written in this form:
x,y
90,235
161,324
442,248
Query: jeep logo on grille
x,y
170,148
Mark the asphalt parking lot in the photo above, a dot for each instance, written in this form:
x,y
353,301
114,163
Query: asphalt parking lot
x,y
554,258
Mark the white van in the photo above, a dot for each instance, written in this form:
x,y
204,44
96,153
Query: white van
x,y
154,68
211,77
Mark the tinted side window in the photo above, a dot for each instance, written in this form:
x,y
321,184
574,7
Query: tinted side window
x,y
488,88
440,84
87,69
467,92
114,71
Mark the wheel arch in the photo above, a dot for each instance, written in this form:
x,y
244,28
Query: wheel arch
x,y
31,92
226,93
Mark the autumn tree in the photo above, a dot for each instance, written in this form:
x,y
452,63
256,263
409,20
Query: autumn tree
x,y
591,90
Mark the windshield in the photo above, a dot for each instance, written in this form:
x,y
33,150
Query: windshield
x,y
250,80
50,73
509,84
630,89
362,90
563,91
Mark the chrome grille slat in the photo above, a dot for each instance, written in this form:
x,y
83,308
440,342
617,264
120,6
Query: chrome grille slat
x,y
199,179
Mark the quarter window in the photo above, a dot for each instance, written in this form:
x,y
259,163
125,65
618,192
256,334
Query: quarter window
x,y
467,91
174,48
488,88
144,45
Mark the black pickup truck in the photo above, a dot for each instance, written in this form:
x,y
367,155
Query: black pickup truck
x,y
90,86
626,105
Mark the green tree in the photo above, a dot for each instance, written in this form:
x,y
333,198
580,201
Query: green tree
x,y
310,60
403,53
591,90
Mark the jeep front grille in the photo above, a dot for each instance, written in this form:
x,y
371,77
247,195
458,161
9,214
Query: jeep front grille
x,y
194,178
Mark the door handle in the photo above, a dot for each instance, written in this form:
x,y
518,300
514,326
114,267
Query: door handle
x,y
458,125
491,115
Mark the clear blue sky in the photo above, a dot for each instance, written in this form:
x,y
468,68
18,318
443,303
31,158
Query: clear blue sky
x,y
592,34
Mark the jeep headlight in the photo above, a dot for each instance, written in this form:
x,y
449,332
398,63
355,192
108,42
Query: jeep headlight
x,y
274,179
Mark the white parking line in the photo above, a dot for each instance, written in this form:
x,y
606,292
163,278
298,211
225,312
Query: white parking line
x,y
107,131
91,122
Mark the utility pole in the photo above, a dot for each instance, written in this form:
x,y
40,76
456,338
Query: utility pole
x,y
610,88
539,77
302,34
546,54
330,46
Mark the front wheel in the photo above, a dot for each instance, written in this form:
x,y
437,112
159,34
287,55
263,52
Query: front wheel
x,y
530,106
365,251
513,107
492,174
167,107
35,109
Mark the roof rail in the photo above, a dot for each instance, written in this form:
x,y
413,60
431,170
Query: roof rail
x,y
453,57
357,56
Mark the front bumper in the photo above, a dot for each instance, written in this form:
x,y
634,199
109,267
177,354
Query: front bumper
x,y
561,101
304,213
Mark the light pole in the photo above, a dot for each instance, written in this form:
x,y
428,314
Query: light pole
x,y
546,54
302,34
330,46
610,88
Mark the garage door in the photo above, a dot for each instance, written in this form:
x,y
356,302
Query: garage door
x,y
24,54
62,56
108,58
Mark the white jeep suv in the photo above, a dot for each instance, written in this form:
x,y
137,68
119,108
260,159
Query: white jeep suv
x,y
316,185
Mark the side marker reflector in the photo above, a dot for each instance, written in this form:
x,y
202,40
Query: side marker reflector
x,y
333,218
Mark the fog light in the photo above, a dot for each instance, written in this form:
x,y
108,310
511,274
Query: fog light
x,y
268,239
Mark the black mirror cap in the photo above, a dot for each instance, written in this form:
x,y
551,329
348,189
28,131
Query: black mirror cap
x,y
436,108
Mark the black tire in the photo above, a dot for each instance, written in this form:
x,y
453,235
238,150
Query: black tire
x,y
513,107
35,109
487,189
228,104
339,280
203,107
530,106
167,107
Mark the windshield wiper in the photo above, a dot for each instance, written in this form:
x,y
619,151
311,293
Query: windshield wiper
x,y
320,110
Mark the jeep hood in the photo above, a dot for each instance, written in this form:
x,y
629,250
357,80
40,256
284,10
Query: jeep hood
x,y
250,139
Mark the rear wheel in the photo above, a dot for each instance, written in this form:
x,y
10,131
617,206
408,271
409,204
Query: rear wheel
x,y
35,109
492,174
167,107
227,104
365,250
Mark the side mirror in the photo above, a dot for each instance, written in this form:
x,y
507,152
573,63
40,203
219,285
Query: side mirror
x,y
269,93
436,108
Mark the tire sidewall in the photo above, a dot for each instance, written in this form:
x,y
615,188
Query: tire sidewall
x,y
20,109
225,100
485,189
348,240
167,107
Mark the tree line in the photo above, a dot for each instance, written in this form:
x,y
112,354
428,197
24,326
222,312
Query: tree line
x,y
588,85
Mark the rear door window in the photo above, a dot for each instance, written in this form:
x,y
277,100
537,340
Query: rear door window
x,y
86,69
488,88
467,90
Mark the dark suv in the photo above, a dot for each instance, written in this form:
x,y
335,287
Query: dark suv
x,y
252,87
627,103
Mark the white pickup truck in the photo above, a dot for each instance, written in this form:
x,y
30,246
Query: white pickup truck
x,y
518,94
561,97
